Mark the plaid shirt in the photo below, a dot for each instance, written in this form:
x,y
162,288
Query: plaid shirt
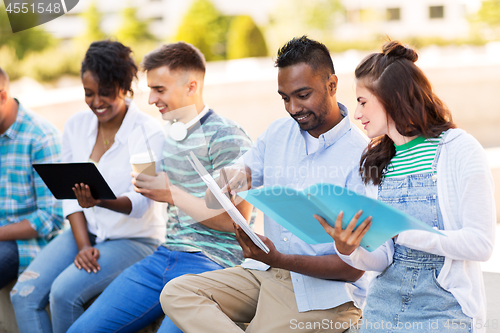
x,y
23,194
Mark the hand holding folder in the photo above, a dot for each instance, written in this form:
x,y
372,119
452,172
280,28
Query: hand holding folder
x,y
225,202
295,211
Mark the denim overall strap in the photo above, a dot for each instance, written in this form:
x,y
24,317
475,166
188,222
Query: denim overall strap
x,y
435,177
438,151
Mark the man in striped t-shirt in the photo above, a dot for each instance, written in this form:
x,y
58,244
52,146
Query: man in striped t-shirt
x,y
198,239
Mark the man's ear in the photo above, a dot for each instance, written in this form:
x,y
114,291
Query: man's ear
x,y
192,87
3,97
332,84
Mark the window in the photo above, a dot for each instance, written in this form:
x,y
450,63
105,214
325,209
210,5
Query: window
x,y
393,14
436,12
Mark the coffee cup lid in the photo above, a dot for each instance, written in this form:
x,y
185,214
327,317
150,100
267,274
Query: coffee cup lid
x,y
144,157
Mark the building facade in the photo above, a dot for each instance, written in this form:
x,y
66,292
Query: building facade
x,y
362,18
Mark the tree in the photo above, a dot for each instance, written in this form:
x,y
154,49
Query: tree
x,y
92,18
133,30
315,18
34,39
206,28
489,14
244,39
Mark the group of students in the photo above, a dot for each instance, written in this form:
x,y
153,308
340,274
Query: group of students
x,y
198,267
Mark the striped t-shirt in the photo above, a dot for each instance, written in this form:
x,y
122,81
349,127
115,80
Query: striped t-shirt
x,y
217,142
413,157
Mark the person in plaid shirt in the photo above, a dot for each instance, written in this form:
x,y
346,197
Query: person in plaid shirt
x,y
29,213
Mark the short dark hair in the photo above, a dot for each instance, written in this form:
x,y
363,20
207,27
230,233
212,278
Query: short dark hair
x,y
305,50
175,56
113,66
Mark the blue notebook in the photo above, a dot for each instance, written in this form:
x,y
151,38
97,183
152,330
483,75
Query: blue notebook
x,y
294,211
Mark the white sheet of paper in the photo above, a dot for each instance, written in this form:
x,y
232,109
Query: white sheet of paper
x,y
225,202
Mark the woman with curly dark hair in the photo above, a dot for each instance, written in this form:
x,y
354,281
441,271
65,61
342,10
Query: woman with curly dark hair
x,y
106,236
439,174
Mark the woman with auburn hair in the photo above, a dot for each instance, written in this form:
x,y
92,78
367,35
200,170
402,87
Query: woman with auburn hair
x,y
439,174
106,236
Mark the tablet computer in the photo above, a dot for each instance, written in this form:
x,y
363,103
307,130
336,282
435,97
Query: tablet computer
x,y
60,178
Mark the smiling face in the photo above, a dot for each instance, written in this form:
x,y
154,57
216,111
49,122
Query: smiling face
x,y
105,107
371,113
309,97
169,91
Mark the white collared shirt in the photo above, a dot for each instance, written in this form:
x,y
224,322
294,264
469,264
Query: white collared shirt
x,y
80,133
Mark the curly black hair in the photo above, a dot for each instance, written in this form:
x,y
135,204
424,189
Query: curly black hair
x,y
305,50
111,65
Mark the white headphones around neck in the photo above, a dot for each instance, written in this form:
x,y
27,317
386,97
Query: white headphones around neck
x,y
177,130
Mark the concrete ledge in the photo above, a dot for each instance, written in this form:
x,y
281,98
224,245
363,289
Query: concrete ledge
x,y
8,322
491,280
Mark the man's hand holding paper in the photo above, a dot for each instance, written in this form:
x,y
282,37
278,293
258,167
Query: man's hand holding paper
x,y
233,179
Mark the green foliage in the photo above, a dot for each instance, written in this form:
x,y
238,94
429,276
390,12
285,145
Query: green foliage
x,y
53,63
315,18
374,44
9,62
486,22
23,42
93,31
489,13
420,42
319,14
132,30
206,28
244,39
140,49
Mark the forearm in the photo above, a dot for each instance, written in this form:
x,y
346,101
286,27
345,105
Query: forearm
x,y
120,205
216,219
377,260
16,231
464,244
79,229
329,267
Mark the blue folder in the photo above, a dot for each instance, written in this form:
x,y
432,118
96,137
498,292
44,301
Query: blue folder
x,y
294,210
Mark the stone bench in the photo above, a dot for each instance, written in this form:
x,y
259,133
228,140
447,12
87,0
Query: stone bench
x,y
8,322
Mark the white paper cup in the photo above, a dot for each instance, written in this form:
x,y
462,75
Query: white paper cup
x,y
141,163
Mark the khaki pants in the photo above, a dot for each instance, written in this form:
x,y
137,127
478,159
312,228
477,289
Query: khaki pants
x,y
213,301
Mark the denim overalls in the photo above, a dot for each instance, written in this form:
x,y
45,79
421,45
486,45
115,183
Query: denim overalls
x,y
406,296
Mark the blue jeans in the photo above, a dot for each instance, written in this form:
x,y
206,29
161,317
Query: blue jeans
x,y
132,301
9,262
53,275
